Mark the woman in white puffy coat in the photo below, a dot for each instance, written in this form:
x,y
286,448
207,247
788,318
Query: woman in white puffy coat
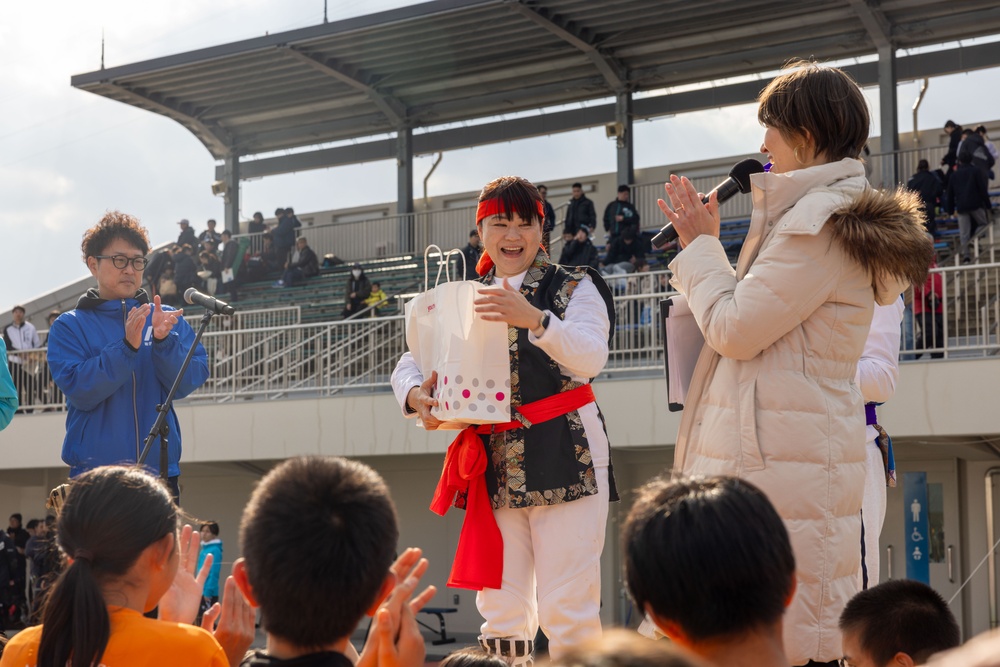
x,y
773,397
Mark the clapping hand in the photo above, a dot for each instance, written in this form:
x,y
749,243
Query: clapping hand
x,y
163,321
181,601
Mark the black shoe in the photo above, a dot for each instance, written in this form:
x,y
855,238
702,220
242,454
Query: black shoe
x,y
966,260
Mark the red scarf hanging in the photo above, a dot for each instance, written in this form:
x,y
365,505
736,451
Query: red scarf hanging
x,y
478,560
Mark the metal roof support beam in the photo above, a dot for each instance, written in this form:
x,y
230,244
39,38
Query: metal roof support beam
x,y
216,139
880,30
232,197
612,72
388,105
404,195
624,143
936,63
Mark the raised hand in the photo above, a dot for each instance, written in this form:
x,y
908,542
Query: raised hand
x,y
180,602
135,321
688,215
237,620
163,321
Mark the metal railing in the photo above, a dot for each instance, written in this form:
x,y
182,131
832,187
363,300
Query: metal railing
x,y
279,316
324,359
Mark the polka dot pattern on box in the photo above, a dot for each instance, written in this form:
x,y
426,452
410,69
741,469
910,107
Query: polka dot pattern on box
x,y
459,393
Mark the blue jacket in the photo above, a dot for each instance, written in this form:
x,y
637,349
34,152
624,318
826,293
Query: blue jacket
x,y
8,393
112,390
213,547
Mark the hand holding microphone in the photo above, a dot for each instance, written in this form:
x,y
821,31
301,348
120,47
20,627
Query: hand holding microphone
x,y
688,219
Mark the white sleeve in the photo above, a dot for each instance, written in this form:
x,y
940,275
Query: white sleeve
x,y
405,377
878,368
579,341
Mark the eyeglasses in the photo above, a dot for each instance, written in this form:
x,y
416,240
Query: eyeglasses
x,y
121,261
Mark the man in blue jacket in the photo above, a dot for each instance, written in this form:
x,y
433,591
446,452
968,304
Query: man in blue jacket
x,y
116,356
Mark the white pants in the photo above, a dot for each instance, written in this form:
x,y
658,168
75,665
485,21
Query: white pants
x,y
551,572
873,510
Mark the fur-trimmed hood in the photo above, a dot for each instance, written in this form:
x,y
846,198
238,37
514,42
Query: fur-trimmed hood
x,y
884,232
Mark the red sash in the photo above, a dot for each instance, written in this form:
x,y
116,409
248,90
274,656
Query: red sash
x,y
478,560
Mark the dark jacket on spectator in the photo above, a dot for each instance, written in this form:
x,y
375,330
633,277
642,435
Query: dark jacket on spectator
x,y
627,211
308,262
928,185
579,253
229,252
361,287
549,222
471,258
622,251
579,212
954,139
967,189
187,237
185,272
284,234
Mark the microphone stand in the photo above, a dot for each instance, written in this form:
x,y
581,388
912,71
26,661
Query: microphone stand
x,y
160,427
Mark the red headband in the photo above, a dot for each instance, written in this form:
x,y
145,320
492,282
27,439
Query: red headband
x,y
491,207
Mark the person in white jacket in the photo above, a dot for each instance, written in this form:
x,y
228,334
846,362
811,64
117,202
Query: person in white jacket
x,y
773,398
878,372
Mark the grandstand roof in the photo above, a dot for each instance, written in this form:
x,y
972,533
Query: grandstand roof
x,y
454,60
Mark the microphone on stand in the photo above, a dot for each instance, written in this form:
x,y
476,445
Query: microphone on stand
x,y
738,182
196,298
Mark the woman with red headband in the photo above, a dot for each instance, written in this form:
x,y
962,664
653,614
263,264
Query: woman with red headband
x,y
547,476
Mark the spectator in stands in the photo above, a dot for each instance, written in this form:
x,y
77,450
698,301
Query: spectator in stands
x,y
968,193
45,560
329,515
126,556
579,213
928,311
375,299
680,540
899,622
580,251
167,286
210,235
472,250
798,304
263,263
187,236
974,146
22,335
116,355
991,148
158,264
930,188
623,254
229,261
9,610
210,271
211,545
358,289
549,220
954,132
257,226
620,215
302,266
284,233
185,271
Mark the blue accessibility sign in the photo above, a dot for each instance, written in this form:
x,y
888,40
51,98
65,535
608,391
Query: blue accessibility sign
x,y
917,527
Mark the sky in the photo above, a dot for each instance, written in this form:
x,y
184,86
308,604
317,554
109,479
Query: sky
x,y
67,156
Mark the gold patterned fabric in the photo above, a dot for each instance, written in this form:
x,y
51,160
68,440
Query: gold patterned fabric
x,y
548,463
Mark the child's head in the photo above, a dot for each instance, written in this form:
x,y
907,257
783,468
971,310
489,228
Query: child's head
x,y
680,537
376,287
318,537
623,648
116,524
897,622
472,656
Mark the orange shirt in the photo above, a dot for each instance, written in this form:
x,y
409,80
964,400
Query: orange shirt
x,y
136,641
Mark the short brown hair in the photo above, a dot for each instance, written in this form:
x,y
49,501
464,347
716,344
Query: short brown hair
x,y
823,102
516,194
114,225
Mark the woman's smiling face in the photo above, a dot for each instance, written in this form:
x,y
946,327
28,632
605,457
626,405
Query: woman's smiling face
x,y
512,244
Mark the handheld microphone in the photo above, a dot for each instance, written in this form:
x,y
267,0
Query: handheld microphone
x,y
196,298
738,181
